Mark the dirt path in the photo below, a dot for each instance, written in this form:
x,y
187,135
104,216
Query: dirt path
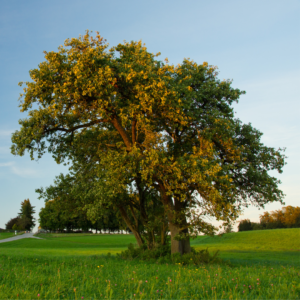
x,y
18,237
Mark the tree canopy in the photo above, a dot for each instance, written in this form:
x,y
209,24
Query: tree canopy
x,y
139,125
65,208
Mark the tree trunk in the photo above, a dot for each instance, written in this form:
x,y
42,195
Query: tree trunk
x,y
138,237
162,236
173,211
131,226
179,246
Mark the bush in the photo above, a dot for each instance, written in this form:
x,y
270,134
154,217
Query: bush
x,y
274,225
196,257
12,222
162,254
15,227
145,254
245,225
257,226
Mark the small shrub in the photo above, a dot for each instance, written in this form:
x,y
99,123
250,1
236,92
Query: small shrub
x,y
143,253
162,254
196,257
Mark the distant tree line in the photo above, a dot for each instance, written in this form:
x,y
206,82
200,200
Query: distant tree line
x,y
70,205
67,216
24,220
287,217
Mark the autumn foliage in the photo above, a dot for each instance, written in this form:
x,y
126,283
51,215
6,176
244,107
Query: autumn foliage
x,y
287,217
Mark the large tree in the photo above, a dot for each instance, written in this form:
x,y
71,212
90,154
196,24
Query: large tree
x,y
169,128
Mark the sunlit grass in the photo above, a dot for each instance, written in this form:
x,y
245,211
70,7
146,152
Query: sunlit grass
x,y
268,246
263,265
263,240
68,245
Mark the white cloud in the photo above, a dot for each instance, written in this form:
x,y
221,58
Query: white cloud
x,y
20,171
273,99
288,136
5,133
4,150
24,172
8,164
288,82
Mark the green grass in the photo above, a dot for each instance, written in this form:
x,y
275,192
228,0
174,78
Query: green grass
x,y
100,277
5,235
269,246
262,240
66,245
74,266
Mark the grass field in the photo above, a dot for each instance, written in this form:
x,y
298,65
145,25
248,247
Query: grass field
x,y
5,235
278,246
264,265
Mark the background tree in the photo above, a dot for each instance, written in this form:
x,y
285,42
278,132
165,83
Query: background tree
x,y
51,217
245,225
26,215
286,217
256,226
228,228
87,194
147,123
291,216
13,221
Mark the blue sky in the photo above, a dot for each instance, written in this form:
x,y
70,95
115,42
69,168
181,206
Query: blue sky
x,y
255,43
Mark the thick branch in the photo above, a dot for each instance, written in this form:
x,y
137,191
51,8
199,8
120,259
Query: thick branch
x,y
76,127
134,216
122,132
131,226
133,128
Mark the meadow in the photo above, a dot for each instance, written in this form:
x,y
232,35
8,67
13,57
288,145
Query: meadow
x,y
5,235
257,265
